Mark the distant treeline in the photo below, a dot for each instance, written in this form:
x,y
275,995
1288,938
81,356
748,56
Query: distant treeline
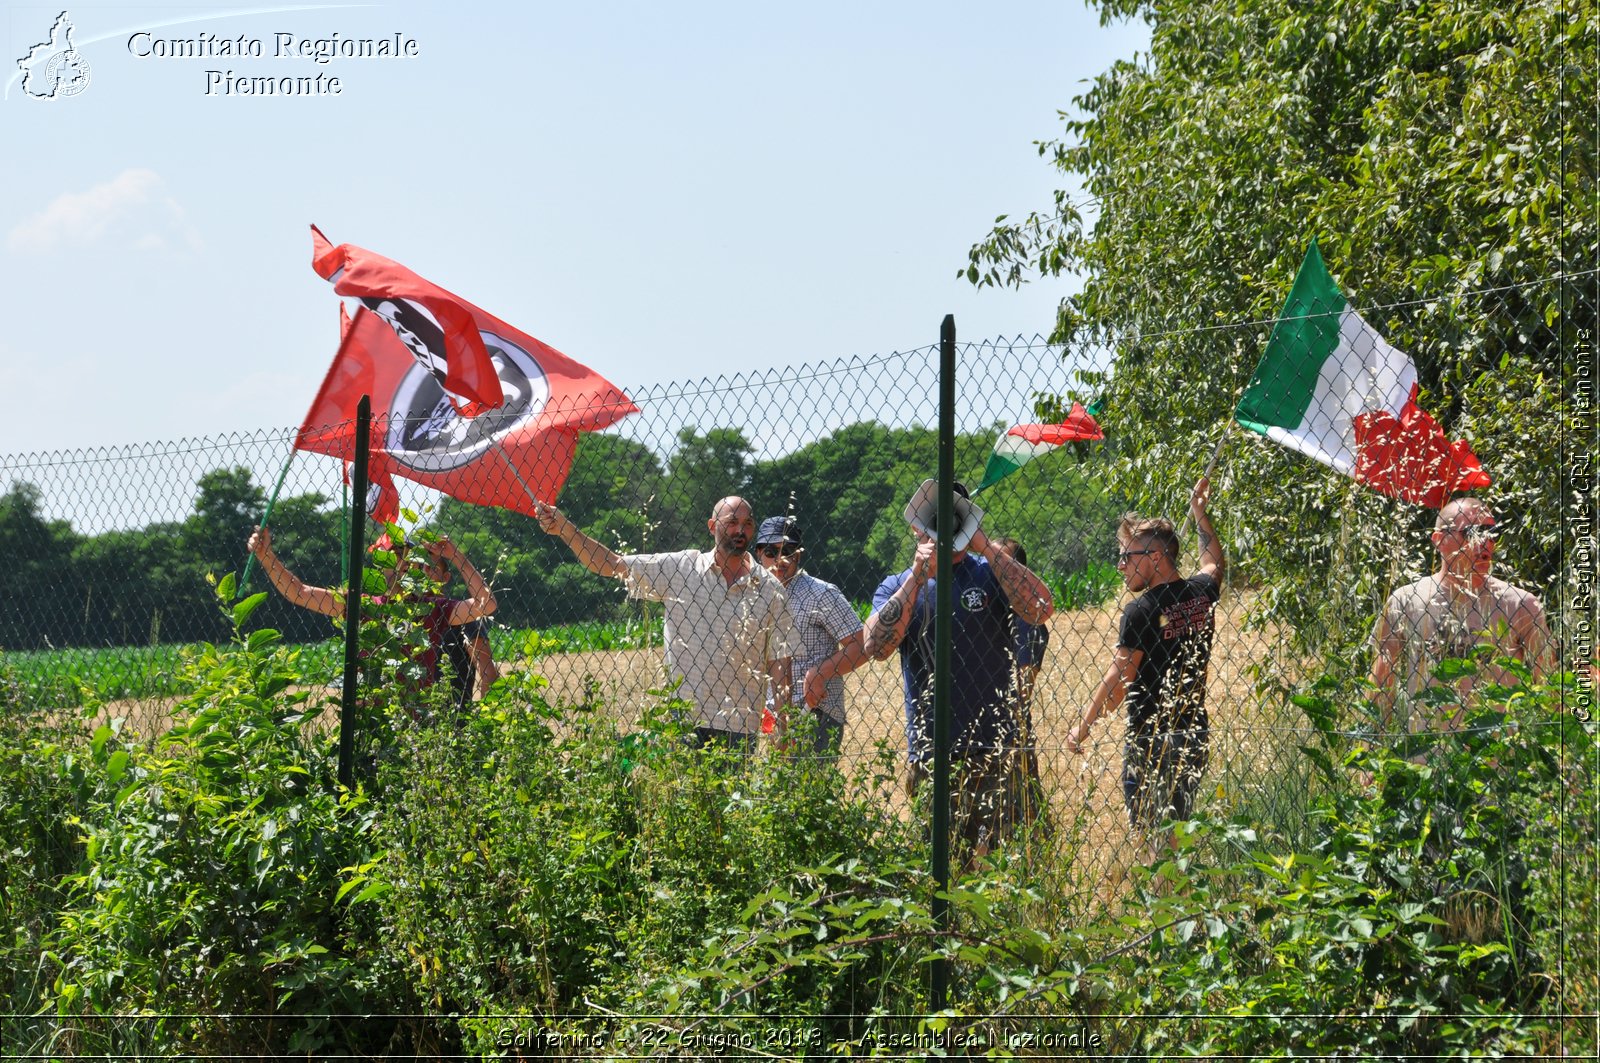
x,y
145,586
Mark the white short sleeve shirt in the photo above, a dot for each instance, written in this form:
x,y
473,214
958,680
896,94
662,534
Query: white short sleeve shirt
x,y
719,637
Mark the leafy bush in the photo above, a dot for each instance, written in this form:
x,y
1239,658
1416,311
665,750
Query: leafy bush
x,y
211,865
1433,914
44,784
538,868
1444,910
539,859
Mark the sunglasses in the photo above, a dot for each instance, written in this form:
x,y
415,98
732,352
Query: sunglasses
x,y
771,552
1124,556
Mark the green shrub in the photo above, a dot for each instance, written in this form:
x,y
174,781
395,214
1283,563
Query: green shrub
x,y
1430,914
45,784
537,868
212,862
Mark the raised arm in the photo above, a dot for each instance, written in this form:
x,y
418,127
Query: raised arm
x,y
480,599
590,554
1029,596
1212,560
886,627
317,599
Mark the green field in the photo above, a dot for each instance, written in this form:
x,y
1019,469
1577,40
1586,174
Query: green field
x,y
93,675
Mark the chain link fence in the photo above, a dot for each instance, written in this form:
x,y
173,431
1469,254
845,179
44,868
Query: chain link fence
x,y
108,552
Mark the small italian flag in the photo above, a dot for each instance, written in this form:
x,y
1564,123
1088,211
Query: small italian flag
x,y
1022,443
1330,387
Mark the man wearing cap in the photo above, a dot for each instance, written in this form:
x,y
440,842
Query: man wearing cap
x,y
830,632
727,629
990,588
1447,614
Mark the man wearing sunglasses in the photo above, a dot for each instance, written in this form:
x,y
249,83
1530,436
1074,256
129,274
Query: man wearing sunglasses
x,y
829,630
1447,615
1160,665
726,626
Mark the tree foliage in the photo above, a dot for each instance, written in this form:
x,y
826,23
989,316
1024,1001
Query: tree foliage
x,y
1442,152
847,489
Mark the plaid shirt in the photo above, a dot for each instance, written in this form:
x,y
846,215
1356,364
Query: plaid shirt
x,y
823,617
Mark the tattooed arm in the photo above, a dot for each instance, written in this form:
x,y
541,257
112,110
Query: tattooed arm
x,y
886,627
1029,596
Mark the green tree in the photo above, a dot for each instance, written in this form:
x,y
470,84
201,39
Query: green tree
x,y
1443,156
37,556
705,467
227,508
128,582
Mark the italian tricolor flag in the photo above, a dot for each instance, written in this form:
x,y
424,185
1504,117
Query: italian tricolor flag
x,y
1022,443
1330,387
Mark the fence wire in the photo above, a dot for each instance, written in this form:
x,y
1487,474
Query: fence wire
x,y
109,550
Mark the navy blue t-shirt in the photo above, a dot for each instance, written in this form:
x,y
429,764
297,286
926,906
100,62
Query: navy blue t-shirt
x,y
982,662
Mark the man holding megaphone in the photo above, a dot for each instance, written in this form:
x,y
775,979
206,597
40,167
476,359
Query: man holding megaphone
x,y
990,588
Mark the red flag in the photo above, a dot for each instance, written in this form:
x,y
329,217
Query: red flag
x,y
495,459
442,331
383,498
1409,457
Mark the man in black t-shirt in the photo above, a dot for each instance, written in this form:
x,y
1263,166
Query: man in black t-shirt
x,y
1163,651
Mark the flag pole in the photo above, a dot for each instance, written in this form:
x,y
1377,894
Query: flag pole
x,y
1227,431
498,449
250,558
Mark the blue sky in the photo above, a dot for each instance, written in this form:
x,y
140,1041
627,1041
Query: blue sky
x,y
666,192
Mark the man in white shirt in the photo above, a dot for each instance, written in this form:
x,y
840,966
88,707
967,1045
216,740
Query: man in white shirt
x,y
727,628
1446,615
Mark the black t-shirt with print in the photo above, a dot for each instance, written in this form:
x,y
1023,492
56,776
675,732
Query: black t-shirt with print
x,y
1172,625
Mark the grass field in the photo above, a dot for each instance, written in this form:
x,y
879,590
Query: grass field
x,y
89,675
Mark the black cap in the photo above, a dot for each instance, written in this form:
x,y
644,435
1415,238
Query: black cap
x,y
778,530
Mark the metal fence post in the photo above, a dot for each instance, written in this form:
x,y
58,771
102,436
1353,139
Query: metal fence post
x,y
943,620
350,696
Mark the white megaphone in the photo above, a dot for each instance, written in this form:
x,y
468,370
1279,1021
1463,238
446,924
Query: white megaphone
x,y
922,513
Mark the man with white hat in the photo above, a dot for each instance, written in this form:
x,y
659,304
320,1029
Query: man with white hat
x,y
990,588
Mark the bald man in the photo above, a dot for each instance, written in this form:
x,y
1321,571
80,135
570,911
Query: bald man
x,y
728,632
1448,614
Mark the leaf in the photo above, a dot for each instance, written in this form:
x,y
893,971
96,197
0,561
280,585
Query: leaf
x,y
373,890
261,638
242,611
